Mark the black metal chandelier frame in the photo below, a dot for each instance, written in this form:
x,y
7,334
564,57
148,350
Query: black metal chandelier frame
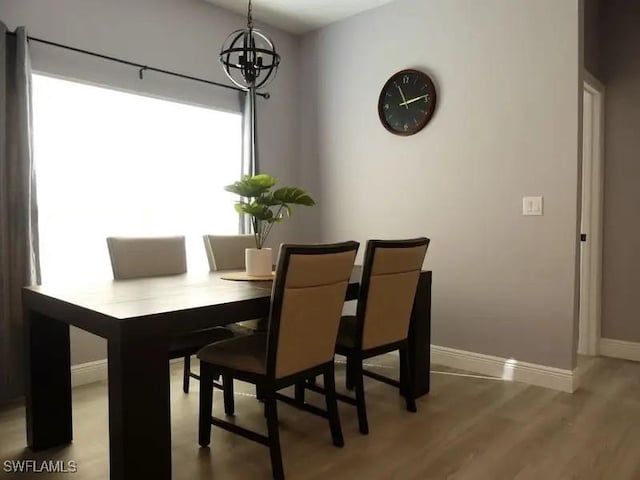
x,y
240,54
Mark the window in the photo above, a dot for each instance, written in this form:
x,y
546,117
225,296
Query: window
x,y
112,163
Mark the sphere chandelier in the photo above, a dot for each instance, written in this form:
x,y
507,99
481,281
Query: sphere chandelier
x,y
249,57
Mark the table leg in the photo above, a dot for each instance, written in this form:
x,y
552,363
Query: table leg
x,y
139,416
48,382
419,339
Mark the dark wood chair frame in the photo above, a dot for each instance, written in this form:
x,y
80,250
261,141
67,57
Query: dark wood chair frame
x,y
356,355
227,383
267,384
187,374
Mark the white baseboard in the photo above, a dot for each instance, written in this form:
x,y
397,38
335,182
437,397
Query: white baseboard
x,y
505,369
609,347
90,372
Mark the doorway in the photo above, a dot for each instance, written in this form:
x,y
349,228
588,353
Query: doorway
x,y
591,218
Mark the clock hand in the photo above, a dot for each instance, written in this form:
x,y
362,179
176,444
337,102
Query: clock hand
x,y
407,102
403,97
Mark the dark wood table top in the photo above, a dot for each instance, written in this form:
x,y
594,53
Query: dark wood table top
x,y
126,299
96,307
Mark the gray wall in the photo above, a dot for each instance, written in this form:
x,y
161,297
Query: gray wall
x,y
593,14
621,74
180,35
508,78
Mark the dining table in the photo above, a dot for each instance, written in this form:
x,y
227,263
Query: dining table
x,y
138,318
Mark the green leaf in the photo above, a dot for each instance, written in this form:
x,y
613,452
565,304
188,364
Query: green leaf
x,y
268,200
252,187
260,212
266,208
265,180
294,196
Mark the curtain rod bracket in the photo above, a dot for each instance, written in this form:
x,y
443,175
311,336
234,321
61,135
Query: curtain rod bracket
x,y
141,72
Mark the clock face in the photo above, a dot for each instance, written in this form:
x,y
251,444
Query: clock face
x,y
407,102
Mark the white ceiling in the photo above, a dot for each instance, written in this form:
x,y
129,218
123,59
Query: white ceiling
x,y
299,16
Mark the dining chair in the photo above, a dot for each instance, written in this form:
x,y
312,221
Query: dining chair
x,y
381,324
306,306
140,257
226,252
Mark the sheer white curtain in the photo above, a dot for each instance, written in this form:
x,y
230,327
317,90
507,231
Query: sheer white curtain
x,y
114,163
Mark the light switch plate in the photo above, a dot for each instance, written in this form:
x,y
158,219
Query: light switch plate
x,y
531,206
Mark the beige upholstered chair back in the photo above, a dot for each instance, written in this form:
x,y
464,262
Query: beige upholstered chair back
x,y
137,257
307,300
390,279
226,252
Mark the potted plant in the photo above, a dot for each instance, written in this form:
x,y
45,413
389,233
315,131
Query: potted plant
x,y
265,208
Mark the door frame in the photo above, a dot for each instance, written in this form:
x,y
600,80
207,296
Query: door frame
x,y
592,219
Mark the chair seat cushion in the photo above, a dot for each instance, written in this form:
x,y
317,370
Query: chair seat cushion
x,y
347,332
246,353
192,342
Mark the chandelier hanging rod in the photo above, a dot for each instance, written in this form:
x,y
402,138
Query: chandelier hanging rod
x,y
140,66
250,16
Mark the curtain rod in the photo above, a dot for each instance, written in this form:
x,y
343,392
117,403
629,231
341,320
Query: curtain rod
x,y
142,68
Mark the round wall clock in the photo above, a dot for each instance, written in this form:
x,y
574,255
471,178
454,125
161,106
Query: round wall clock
x,y
407,102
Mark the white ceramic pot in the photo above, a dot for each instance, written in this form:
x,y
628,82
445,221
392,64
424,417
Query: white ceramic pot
x,y
258,261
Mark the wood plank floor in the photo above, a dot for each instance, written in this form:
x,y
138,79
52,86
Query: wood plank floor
x,y
468,428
